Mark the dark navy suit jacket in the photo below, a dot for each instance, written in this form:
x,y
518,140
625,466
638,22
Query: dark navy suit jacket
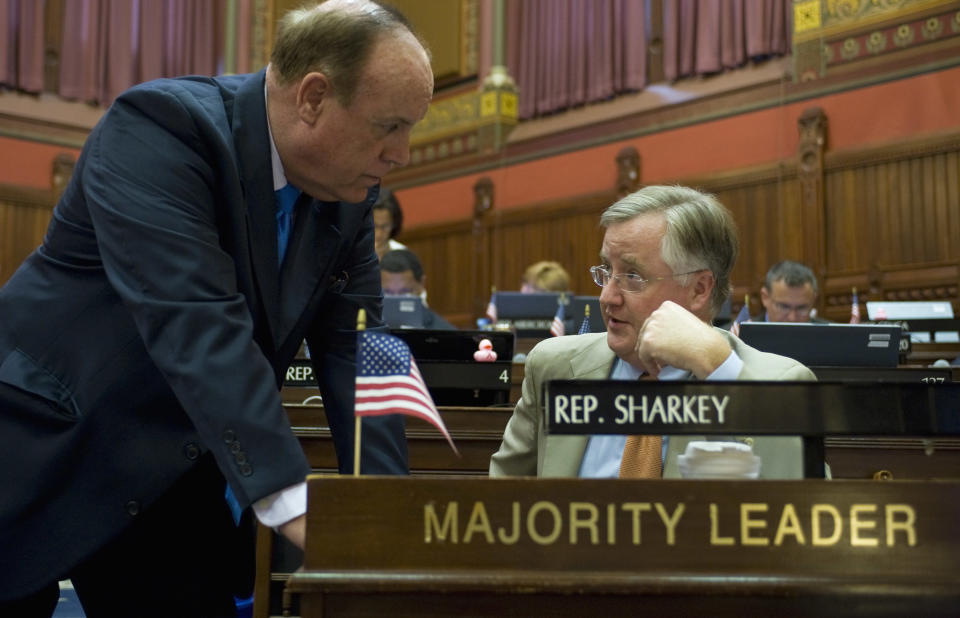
x,y
152,326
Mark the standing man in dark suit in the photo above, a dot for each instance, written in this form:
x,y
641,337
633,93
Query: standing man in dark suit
x,y
210,226
789,294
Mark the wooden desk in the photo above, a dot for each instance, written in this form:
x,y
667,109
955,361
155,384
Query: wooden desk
x,y
477,433
926,353
552,547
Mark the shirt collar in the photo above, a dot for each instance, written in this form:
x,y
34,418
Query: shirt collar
x,y
625,371
279,177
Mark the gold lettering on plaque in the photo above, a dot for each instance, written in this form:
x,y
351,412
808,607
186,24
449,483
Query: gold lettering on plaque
x,y
670,521
635,508
747,523
515,532
431,524
901,517
789,524
816,513
858,523
551,508
588,521
715,538
478,522
611,524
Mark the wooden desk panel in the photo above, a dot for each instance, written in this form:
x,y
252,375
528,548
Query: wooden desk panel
x,y
888,458
848,548
925,353
477,432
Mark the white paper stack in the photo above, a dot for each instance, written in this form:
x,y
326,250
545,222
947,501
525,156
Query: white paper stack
x,y
719,460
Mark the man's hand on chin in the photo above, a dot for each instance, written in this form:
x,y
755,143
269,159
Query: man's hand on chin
x,y
674,336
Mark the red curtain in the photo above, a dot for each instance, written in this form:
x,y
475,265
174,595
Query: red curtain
x,y
110,45
21,49
564,53
707,36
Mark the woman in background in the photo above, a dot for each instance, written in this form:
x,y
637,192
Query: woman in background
x,y
545,276
387,221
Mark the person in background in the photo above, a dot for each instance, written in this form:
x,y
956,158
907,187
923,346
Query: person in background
x,y
545,276
401,274
210,226
665,267
387,222
789,294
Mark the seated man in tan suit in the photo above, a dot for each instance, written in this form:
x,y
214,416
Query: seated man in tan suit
x,y
666,259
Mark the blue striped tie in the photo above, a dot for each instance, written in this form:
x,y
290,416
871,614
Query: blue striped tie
x,y
286,198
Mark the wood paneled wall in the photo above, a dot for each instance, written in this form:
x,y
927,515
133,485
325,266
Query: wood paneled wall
x,y
24,216
893,226
884,219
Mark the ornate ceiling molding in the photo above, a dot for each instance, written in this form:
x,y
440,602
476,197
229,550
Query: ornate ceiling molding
x,y
831,33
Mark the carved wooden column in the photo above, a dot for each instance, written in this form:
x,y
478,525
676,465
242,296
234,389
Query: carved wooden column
x,y
481,272
61,172
813,138
628,171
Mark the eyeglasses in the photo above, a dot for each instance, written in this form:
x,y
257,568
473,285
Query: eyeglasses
x,y
800,310
629,282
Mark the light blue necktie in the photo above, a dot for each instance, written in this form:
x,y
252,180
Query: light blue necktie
x,y
286,198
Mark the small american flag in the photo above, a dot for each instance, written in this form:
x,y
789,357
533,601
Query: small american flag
x,y
557,329
743,316
855,309
492,307
585,325
389,382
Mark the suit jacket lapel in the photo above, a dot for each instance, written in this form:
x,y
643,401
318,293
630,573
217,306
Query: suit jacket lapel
x,y
252,142
562,454
310,255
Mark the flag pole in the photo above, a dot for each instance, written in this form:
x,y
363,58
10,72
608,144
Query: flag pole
x,y
361,326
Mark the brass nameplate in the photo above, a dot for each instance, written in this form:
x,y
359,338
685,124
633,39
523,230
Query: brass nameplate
x,y
813,527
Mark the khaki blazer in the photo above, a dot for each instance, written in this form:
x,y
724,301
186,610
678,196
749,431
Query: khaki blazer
x,y
526,450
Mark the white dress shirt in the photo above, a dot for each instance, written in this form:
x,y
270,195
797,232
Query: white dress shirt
x,y
287,504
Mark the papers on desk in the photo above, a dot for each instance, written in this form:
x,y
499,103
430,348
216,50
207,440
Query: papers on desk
x,y
718,460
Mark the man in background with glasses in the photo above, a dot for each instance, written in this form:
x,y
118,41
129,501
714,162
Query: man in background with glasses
x,y
789,294
665,269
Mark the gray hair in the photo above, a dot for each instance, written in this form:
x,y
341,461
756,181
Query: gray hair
x,y
701,233
335,39
794,274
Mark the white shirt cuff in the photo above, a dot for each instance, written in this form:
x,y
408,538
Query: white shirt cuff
x,y
283,506
729,369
